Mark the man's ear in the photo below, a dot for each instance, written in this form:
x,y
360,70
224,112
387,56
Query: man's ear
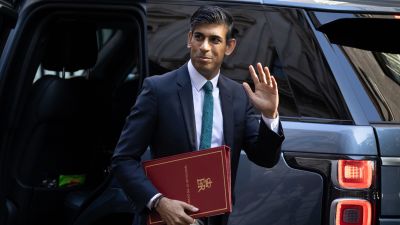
x,y
190,34
230,46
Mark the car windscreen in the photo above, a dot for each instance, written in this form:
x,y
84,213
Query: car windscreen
x,y
372,45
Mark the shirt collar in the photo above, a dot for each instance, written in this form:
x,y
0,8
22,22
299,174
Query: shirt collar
x,y
198,80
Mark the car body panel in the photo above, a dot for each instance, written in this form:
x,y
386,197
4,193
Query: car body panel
x,y
329,139
389,221
280,195
389,139
390,180
389,147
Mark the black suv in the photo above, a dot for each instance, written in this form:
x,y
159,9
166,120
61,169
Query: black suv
x,y
71,69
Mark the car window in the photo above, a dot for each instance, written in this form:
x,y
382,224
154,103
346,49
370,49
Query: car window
x,y
309,80
1,34
375,59
392,63
279,38
103,36
8,17
380,74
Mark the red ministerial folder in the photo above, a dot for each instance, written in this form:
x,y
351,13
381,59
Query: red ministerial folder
x,y
200,178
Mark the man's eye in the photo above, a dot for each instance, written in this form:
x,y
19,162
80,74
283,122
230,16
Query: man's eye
x,y
198,37
216,40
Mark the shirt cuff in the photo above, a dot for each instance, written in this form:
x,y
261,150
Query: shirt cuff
x,y
272,124
150,203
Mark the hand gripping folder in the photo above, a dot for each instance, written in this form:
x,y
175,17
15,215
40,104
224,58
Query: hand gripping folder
x,y
200,178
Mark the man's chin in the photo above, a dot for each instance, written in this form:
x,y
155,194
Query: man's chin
x,y
205,69
203,63
208,74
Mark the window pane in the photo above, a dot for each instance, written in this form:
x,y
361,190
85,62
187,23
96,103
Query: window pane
x,y
278,39
379,73
313,86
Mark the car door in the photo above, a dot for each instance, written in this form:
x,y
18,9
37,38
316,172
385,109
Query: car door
x,y
70,71
8,17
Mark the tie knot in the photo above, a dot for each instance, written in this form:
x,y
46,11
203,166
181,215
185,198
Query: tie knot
x,y
208,87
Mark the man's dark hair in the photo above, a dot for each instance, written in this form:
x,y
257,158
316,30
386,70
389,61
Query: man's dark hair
x,y
212,15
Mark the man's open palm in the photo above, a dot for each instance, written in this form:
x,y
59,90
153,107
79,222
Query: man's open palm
x,y
265,97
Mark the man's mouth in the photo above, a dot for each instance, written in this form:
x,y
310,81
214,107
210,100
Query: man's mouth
x,y
204,58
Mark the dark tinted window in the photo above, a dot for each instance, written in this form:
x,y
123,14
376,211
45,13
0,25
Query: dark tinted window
x,y
8,17
380,74
279,38
376,59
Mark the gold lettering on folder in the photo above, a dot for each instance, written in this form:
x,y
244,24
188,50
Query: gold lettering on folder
x,y
203,183
187,184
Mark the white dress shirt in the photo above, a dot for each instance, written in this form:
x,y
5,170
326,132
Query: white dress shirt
x,y
217,138
198,81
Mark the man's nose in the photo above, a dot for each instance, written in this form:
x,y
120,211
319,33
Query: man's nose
x,y
205,46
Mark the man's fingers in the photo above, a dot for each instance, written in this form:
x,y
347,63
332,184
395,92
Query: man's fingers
x,y
267,76
253,75
189,220
261,73
189,207
274,84
175,212
248,90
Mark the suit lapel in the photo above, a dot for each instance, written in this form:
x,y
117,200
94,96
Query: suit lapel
x,y
186,101
227,110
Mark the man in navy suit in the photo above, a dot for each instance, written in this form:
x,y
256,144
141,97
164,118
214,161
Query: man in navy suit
x,y
168,117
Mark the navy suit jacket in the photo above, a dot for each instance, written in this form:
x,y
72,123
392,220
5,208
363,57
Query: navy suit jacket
x,y
163,119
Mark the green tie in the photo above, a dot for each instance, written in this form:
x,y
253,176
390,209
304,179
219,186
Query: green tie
x,y
207,118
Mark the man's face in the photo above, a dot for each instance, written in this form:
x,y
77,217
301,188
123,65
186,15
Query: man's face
x,y
208,46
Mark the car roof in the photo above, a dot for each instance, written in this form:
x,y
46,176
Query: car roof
x,y
389,6
382,6
362,6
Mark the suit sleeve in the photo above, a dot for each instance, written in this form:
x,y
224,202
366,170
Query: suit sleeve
x,y
261,144
134,140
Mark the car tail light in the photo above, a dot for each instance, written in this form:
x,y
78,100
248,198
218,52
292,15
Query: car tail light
x,y
355,174
353,212
397,16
